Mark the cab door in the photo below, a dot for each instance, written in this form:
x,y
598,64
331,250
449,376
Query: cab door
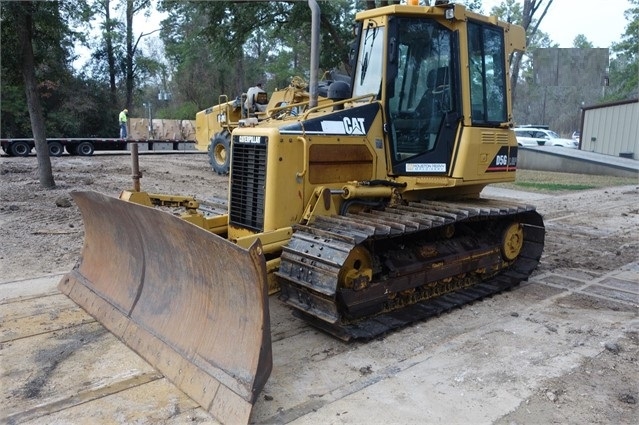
x,y
422,104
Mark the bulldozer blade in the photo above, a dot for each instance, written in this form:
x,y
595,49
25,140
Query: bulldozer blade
x,y
191,303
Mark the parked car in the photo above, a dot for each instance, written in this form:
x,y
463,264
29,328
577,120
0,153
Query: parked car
x,y
529,137
543,137
576,136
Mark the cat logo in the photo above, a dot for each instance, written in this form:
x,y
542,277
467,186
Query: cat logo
x,y
348,125
354,125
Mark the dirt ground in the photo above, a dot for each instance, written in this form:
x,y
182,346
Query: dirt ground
x,y
42,229
591,374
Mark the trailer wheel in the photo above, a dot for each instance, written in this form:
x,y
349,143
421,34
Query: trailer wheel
x,y
56,149
20,149
220,152
85,149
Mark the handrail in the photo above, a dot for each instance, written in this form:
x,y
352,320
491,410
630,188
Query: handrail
x,y
272,111
305,142
224,100
341,102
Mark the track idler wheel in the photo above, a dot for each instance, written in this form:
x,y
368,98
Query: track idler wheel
x,y
357,271
512,241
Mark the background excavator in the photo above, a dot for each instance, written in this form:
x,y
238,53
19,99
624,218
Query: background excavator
x,y
364,212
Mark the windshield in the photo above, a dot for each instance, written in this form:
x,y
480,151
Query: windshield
x,y
368,71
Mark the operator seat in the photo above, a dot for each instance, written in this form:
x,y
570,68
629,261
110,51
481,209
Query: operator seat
x,y
434,104
437,97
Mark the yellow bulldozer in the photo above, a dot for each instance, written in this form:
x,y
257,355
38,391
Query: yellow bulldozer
x,y
364,212
214,125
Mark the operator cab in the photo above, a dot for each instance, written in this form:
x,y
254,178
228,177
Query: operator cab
x,y
421,91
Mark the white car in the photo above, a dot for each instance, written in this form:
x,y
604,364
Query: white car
x,y
576,135
529,137
542,137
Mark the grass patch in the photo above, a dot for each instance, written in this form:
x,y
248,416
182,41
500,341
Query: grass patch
x,y
553,182
554,186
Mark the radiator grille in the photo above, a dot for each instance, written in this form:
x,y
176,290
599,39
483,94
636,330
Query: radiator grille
x,y
248,182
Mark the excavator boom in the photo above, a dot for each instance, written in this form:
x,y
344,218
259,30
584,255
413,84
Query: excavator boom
x,y
140,276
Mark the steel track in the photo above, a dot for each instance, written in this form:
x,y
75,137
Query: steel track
x,y
311,263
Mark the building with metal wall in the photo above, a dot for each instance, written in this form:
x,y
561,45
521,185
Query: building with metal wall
x,y
611,129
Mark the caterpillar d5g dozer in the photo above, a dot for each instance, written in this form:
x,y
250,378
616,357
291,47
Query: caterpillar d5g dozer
x,y
366,213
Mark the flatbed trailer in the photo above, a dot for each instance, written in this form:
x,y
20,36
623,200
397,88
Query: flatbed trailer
x,y
83,146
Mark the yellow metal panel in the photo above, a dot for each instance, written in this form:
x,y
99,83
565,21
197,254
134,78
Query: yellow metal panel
x,y
477,149
212,120
331,164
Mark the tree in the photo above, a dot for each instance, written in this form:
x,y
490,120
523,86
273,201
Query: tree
x,y
25,25
22,15
224,47
474,5
132,7
110,29
624,67
118,62
199,74
581,42
72,106
511,12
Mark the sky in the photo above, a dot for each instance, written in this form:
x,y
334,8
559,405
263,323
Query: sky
x,y
601,21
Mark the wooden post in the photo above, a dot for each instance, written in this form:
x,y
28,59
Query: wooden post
x,y
135,167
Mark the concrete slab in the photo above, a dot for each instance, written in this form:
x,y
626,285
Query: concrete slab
x,y
554,158
473,365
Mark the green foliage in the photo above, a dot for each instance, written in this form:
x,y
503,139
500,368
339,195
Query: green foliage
x,y
209,48
512,11
75,103
199,75
552,181
224,47
624,67
549,186
14,116
182,111
509,11
581,42
98,67
53,47
474,5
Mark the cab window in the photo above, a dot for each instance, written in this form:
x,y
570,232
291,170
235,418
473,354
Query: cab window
x,y
368,71
487,74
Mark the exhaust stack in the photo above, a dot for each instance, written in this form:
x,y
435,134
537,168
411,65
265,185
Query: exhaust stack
x,y
315,24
